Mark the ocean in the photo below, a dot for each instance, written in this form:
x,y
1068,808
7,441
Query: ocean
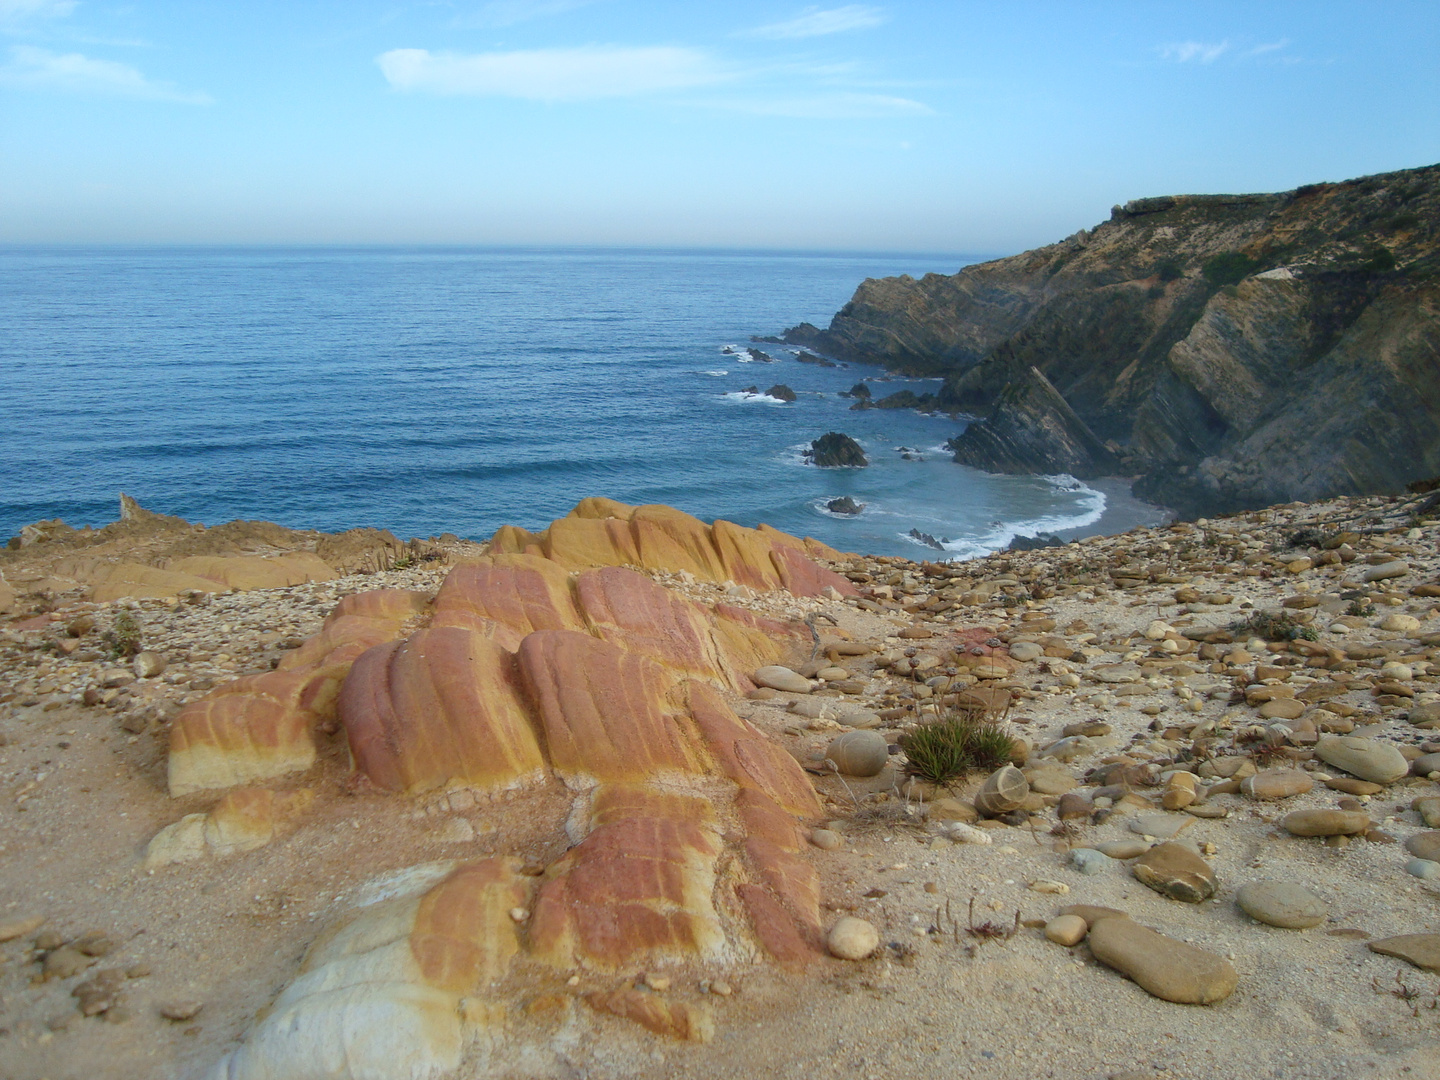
x,y
430,390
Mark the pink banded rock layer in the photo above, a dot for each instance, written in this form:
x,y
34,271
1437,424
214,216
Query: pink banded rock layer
x,y
534,667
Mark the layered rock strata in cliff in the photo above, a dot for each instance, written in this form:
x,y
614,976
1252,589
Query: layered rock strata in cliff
x,y
1231,350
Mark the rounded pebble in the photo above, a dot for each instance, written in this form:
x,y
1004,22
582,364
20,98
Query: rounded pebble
x,y
1066,929
852,939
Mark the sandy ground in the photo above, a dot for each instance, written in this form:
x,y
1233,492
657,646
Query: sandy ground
x,y
83,796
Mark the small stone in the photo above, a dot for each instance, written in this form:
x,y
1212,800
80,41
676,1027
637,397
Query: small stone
x,y
1025,651
1093,913
951,810
1282,709
1425,764
1277,784
1385,571
826,839
147,665
852,939
781,678
1425,869
16,928
1056,888
95,943
1066,930
1429,810
1123,849
1351,786
1177,872
1425,845
1169,969
1400,624
456,830
1073,807
1422,950
1325,822
180,1011
1004,790
1426,716
64,962
1088,860
1282,904
1160,826
1380,763
859,753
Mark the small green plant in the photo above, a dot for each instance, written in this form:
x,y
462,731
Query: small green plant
x,y
1272,626
123,637
1170,270
1361,609
1229,268
944,750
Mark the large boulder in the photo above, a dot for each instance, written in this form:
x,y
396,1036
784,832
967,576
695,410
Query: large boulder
x,y
834,450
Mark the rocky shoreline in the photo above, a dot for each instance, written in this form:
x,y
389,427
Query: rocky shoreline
x,y
1224,729
1232,351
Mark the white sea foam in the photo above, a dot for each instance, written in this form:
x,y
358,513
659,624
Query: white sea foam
x,y
740,396
1089,508
717,374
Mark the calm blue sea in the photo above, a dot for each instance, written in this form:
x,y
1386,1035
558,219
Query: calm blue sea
x,y
439,390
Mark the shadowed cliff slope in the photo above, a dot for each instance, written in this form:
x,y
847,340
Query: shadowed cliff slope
x,y
1230,350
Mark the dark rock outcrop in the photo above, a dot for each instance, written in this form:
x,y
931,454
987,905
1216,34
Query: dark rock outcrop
x,y
1232,351
780,392
810,358
836,449
844,505
1032,429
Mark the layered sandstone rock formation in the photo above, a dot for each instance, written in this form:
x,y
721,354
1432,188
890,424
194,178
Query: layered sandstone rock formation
x,y
603,532
528,672
1235,350
145,555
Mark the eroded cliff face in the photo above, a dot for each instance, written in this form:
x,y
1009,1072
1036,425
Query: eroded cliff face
x,y
1232,351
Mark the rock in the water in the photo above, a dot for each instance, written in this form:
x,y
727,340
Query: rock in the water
x,y
1177,872
1283,904
781,392
852,939
1425,845
1004,790
1160,965
844,505
859,753
781,678
834,449
1325,822
1277,784
1422,950
1380,763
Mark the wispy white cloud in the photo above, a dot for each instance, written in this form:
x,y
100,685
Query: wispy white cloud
x,y
817,22
1274,46
826,106
568,74
509,12
16,14
1194,51
40,69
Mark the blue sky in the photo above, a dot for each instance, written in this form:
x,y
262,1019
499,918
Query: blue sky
x,y
961,126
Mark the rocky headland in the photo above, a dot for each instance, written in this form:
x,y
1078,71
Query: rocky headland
x,y
1231,352
638,795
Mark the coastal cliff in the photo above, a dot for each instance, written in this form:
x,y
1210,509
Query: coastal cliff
x,y
1229,350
